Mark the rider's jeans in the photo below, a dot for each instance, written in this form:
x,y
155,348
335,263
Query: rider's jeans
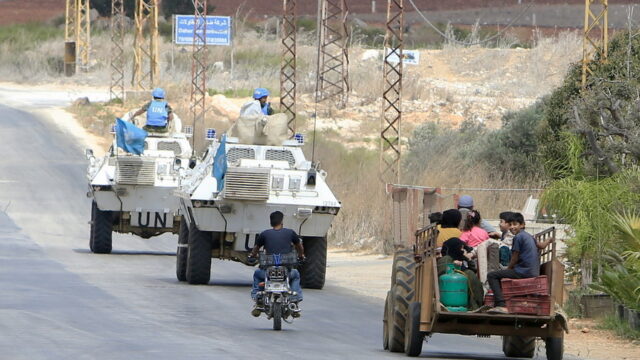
x,y
294,280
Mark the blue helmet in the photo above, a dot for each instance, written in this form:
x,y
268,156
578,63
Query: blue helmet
x,y
259,93
158,93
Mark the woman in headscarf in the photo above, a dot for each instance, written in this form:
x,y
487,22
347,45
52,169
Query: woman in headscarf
x,y
455,251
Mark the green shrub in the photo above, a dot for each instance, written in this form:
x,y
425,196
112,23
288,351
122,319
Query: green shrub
x,y
619,327
22,37
306,24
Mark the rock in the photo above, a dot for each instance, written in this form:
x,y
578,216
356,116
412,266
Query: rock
x,y
359,23
224,107
93,14
585,330
218,65
82,101
371,55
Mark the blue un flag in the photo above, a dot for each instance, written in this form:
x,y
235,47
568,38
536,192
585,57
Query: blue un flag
x,y
220,163
129,137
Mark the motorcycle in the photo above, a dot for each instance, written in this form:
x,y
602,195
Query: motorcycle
x,y
275,292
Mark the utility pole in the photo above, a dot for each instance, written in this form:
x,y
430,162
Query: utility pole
x,y
288,64
199,67
116,87
145,56
595,41
334,52
390,146
77,35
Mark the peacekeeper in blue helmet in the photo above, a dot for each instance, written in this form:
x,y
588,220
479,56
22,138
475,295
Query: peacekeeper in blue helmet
x,y
159,113
261,95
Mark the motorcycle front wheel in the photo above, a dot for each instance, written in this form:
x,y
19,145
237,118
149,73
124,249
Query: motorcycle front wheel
x,y
277,316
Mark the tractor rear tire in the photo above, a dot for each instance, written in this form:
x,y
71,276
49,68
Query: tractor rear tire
x,y
519,346
183,250
199,256
413,338
403,294
101,230
395,323
313,271
554,347
385,322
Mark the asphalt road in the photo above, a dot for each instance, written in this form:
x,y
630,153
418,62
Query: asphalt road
x,y
59,301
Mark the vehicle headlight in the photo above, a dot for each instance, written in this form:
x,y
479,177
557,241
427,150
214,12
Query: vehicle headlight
x,y
294,183
277,182
162,169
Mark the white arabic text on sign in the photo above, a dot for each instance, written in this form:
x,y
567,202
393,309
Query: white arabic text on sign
x,y
218,30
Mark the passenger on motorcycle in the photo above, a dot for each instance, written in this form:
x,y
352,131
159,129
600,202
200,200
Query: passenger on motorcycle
x,y
278,240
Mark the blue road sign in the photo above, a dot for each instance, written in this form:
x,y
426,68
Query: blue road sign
x,y
218,30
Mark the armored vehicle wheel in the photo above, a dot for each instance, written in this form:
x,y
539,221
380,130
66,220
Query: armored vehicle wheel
x,y
385,323
555,348
92,222
413,338
312,272
199,256
182,251
519,346
101,230
395,323
277,316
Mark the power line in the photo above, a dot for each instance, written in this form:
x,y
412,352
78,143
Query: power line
x,y
498,34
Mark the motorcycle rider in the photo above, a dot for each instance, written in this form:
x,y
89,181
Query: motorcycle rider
x,y
278,240
261,95
159,113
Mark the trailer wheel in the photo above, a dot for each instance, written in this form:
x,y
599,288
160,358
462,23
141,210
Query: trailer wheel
x,y
395,323
385,322
554,347
413,338
312,272
101,230
199,256
518,346
183,250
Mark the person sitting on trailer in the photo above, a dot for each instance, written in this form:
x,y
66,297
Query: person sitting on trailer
x,y
506,239
465,204
448,227
472,233
525,262
455,251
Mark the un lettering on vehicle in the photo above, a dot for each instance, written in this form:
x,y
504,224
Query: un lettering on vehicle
x,y
151,219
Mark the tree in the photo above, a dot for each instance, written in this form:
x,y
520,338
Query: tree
x,y
104,7
605,115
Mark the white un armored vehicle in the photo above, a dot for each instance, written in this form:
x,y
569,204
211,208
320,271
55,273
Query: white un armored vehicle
x,y
134,193
266,172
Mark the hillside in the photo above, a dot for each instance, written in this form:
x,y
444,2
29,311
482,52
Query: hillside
x,y
20,11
